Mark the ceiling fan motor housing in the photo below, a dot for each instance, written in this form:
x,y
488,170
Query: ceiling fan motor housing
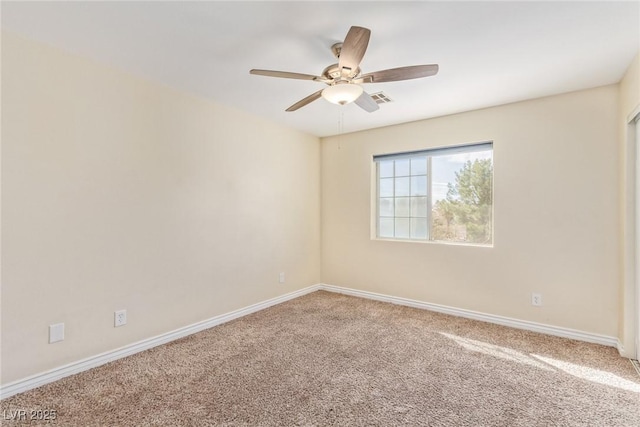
x,y
333,72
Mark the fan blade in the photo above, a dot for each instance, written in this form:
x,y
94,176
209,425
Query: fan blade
x,y
353,48
286,75
367,103
308,100
396,74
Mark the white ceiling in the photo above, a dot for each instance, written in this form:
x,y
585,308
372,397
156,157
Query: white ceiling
x,y
490,53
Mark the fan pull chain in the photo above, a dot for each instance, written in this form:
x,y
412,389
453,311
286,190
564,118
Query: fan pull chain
x,y
340,128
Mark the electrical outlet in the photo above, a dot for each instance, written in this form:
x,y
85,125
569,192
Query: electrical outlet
x,y
120,318
536,299
281,277
56,332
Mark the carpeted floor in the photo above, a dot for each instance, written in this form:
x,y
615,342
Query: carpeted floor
x,y
330,359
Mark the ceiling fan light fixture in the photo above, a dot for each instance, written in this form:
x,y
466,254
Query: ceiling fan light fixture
x,y
342,93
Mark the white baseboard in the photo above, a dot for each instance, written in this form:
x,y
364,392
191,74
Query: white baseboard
x,y
491,318
109,356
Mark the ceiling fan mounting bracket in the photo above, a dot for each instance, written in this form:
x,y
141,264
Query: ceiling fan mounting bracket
x,y
336,49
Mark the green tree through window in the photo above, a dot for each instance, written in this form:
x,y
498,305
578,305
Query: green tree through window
x,y
466,213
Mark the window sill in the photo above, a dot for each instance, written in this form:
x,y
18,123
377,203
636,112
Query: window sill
x,y
432,242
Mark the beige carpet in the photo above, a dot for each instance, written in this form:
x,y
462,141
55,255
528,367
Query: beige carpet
x,y
329,359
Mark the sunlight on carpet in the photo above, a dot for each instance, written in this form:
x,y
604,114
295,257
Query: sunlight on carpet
x,y
590,374
546,363
497,351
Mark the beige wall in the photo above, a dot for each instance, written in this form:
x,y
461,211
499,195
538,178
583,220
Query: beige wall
x,y
629,102
556,214
119,193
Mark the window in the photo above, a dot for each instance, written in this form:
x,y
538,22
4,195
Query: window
x,y
443,194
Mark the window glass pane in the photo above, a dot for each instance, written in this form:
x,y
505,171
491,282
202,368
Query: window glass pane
x,y
402,167
402,187
419,207
402,228
386,169
418,185
402,206
386,206
386,227
419,166
386,187
418,228
462,186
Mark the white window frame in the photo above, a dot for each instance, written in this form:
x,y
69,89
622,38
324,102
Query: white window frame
x,y
430,153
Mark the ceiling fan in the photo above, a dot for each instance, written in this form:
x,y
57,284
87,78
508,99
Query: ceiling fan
x,y
344,78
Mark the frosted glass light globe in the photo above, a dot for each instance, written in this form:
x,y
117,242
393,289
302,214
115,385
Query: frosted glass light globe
x,y
342,93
